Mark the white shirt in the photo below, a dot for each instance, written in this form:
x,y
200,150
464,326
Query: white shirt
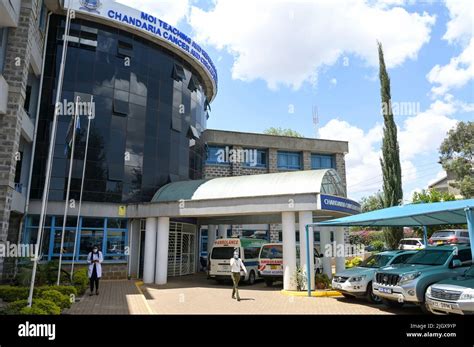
x,y
236,264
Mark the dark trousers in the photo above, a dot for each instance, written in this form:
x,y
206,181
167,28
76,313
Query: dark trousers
x,y
94,280
235,282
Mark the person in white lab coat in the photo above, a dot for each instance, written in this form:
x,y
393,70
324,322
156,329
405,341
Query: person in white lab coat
x,y
95,258
235,265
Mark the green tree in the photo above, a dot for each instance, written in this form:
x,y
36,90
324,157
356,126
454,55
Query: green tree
x,y
390,161
282,132
431,195
457,157
372,202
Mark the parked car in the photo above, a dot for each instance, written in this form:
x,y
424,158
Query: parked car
x,y
270,262
357,281
454,295
411,243
223,250
408,282
449,236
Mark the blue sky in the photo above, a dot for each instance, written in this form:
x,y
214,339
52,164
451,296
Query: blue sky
x,y
277,56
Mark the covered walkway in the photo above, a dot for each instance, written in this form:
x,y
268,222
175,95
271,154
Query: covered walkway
x,y
421,215
288,198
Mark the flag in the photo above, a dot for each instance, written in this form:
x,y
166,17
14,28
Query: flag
x,y
68,145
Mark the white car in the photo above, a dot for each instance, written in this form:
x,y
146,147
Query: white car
x,y
411,244
454,295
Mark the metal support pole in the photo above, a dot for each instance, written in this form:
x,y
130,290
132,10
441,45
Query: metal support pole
x,y
308,261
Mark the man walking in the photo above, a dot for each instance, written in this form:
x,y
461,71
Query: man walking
x,y
235,265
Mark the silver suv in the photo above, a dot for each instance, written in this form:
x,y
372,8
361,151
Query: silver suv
x,y
449,236
408,282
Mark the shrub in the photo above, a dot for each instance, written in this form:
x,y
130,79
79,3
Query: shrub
x,y
378,245
80,280
33,310
46,305
356,261
65,290
353,262
59,299
322,281
13,293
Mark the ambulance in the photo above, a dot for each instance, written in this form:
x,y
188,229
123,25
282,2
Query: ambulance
x,y
270,261
223,250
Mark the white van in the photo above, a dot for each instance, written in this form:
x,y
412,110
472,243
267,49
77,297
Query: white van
x,y
223,250
270,262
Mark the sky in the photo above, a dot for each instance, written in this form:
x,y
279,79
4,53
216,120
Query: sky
x,y
312,66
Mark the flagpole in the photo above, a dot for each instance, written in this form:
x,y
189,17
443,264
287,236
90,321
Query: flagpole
x,y
82,187
68,190
49,163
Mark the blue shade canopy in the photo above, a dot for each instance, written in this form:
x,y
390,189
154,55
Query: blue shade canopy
x,y
436,213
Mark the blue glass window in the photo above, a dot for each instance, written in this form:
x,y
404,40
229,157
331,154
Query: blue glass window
x,y
289,160
260,160
214,155
322,161
110,235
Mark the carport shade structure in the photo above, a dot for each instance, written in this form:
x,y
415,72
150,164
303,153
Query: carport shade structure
x,y
420,215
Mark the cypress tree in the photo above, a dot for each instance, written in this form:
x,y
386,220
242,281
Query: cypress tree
x,y
390,161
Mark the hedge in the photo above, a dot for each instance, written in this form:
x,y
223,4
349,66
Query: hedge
x,y
11,293
33,310
63,301
46,305
80,280
14,293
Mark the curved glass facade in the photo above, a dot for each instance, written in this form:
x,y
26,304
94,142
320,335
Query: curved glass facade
x,y
150,110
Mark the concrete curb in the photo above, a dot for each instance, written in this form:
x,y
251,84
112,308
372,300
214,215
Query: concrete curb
x,y
139,284
314,293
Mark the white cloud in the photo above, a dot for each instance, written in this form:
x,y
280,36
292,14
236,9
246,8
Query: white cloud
x,y
460,26
333,81
171,11
286,43
424,132
457,73
459,30
418,136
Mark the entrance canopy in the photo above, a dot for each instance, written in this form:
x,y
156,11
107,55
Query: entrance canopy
x,y
437,213
252,199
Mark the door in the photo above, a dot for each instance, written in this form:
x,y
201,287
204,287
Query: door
x,y
182,249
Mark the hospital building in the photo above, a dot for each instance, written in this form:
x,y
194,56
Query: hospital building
x,y
159,186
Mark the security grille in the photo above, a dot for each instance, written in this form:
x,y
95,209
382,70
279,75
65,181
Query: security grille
x,y
181,249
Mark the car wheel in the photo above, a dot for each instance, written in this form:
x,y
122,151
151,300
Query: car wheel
x,y
268,283
392,304
251,279
371,297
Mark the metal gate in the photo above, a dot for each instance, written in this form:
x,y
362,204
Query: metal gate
x,y
182,249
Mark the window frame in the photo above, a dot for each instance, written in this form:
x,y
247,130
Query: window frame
x,y
288,155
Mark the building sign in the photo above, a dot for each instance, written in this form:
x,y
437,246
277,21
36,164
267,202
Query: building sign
x,y
227,242
112,11
122,211
336,203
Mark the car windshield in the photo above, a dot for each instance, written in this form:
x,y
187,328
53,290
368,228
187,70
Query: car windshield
x,y
430,257
376,261
272,252
222,253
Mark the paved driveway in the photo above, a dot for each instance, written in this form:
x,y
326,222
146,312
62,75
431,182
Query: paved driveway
x,y
195,294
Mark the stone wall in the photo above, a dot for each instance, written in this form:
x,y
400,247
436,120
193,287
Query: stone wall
x,y
17,65
118,271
